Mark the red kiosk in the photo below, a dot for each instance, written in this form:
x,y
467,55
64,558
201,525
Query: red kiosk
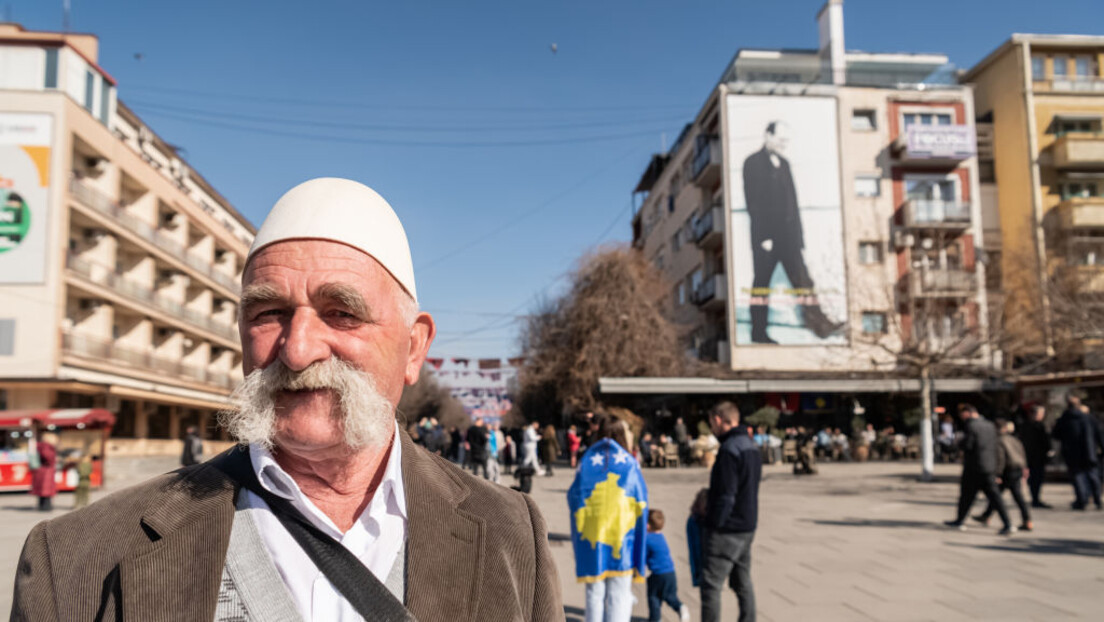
x,y
79,431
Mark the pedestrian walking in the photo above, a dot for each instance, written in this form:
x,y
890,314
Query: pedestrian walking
x,y
1036,443
573,443
1012,466
193,447
662,582
732,515
979,468
695,527
530,440
477,447
1081,443
44,477
551,448
84,481
608,501
682,439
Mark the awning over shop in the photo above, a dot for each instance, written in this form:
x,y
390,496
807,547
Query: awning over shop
x,y
785,385
61,418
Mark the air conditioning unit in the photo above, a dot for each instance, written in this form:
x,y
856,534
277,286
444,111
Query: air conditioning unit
x,y
93,236
166,332
90,304
220,254
96,165
166,275
901,239
188,342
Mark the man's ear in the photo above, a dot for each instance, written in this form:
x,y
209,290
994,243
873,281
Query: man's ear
x,y
421,337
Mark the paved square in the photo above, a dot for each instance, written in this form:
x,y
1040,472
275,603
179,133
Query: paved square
x,y
857,542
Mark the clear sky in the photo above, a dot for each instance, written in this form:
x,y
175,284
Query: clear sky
x,y
505,160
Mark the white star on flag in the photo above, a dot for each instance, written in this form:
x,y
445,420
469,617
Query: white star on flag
x,y
621,457
597,460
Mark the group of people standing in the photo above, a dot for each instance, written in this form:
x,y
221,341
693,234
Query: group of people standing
x,y
617,536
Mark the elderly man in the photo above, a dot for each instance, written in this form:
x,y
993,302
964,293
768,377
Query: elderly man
x,y
326,511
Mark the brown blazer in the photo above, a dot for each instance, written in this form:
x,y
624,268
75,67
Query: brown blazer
x,y
476,551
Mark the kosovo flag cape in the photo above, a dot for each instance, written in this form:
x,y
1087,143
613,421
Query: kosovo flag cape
x,y
608,502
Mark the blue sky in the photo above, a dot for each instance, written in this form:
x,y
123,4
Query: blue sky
x,y
505,161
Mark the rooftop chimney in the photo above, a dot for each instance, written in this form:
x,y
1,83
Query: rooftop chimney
x,y
833,58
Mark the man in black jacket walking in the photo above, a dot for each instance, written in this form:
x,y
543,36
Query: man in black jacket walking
x,y
1036,442
732,514
1082,441
979,467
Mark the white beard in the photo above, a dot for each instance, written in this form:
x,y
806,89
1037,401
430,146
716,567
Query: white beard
x,y
365,415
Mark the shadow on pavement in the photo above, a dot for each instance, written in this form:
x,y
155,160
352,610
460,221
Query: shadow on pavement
x,y
578,614
948,503
879,522
1051,546
913,477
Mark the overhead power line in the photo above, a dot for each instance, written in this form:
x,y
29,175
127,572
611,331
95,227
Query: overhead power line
x,y
393,127
332,103
329,138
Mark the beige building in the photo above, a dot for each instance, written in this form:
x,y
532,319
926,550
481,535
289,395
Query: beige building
x,y
821,214
119,264
1041,100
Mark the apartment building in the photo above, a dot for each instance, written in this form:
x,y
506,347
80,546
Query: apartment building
x,y
119,264
819,217
1040,100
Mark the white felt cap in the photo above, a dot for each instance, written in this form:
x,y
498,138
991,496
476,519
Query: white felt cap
x,y
343,211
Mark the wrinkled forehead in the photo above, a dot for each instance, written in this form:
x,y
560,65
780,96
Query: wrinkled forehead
x,y
318,262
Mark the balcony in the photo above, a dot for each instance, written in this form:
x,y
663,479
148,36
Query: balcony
x,y
110,352
1079,151
1070,84
706,169
1081,213
716,350
708,228
935,144
105,205
929,214
710,293
143,295
941,284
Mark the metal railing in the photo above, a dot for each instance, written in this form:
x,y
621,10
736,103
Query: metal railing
x,y
82,345
147,296
702,225
706,152
935,212
945,281
710,288
1073,84
105,205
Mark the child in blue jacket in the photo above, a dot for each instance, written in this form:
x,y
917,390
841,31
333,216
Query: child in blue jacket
x,y
662,582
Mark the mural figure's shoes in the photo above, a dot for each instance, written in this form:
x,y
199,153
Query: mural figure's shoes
x,y
816,321
762,338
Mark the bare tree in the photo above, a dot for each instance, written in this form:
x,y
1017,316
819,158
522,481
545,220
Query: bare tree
x,y
610,322
427,398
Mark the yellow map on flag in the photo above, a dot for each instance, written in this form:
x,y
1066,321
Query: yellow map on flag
x,y
608,515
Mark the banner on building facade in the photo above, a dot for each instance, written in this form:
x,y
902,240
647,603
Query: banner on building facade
x,y
25,140
484,390
788,279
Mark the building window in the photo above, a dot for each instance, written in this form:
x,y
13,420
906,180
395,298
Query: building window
x,y
927,118
676,240
1070,126
864,120
868,185
51,68
870,253
695,279
670,204
1061,65
874,322
89,90
680,293
1038,67
1083,66
944,189
105,102
1080,190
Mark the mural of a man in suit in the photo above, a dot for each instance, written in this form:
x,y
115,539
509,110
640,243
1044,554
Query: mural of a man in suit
x,y
776,235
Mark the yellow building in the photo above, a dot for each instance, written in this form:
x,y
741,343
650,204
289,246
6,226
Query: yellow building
x,y
1042,98
119,264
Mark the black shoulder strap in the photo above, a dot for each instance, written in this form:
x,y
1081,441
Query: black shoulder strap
x,y
371,598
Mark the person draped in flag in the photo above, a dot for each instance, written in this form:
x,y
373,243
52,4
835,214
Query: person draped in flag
x,y
609,510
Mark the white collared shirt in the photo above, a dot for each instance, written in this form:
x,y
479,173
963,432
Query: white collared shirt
x,y
375,538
